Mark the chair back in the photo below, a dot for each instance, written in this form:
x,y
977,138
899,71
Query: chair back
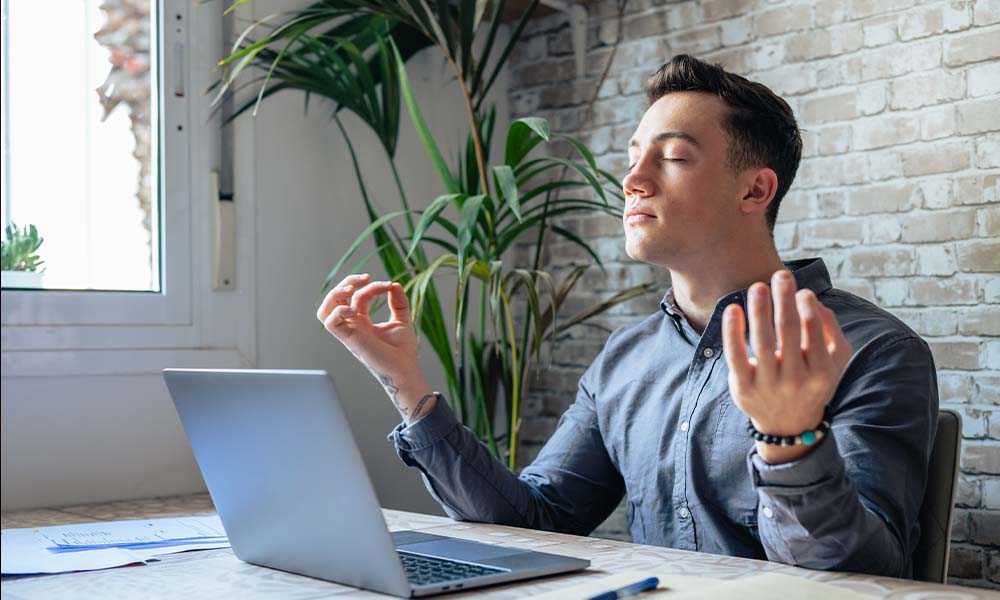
x,y
930,558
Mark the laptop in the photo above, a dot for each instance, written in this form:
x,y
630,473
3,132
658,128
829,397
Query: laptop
x,y
288,481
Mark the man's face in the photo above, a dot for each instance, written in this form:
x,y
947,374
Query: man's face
x,y
682,200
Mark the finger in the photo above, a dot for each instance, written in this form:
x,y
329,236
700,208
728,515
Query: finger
x,y
362,299
836,343
814,349
762,329
786,321
336,321
341,294
734,347
399,306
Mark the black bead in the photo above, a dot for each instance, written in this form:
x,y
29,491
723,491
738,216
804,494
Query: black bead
x,y
790,440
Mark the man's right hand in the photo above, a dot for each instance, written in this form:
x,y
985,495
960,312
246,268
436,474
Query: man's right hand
x,y
388,349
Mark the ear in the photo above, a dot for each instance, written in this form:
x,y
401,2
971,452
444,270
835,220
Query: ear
x,y
761,186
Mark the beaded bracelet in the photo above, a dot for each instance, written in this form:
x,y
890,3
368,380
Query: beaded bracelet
x,y
806,438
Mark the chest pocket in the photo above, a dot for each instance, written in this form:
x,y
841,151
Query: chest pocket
x,y
732,490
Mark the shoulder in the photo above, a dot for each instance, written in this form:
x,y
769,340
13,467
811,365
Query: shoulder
x,y
871,330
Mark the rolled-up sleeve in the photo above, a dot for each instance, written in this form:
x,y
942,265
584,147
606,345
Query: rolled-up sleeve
x,y
571,487
852,503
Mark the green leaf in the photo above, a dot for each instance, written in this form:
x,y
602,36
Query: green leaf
x,y
520,138
468,223
428,217
508,187
368,231
430,146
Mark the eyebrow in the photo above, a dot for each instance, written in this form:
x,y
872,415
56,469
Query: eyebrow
x,y
666,135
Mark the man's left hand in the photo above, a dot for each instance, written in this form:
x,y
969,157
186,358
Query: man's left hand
x,y
800,353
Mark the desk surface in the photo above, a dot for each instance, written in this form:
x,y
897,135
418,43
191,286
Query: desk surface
x,y
219,574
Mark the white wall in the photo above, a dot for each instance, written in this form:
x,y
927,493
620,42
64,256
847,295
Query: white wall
x,y
92,438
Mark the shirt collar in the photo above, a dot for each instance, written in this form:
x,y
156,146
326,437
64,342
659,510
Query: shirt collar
x,y
810,273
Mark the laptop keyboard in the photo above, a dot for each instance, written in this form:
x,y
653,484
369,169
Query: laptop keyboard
x,y
424,570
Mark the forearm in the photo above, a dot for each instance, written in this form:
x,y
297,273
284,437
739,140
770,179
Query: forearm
x,y
571,487
811,515
410,394
466,479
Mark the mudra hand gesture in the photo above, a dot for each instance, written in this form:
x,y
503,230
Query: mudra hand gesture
x,y
389,349
800,353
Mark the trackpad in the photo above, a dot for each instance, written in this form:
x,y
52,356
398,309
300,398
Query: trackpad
x,y
459,550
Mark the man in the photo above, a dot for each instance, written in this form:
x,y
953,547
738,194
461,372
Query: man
x,y
808,444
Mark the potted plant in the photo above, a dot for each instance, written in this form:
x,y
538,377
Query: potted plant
x,y
353,52
19,260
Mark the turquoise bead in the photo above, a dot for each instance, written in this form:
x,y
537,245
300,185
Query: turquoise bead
x,y
809,438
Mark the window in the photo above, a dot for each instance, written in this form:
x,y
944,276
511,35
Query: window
x,y
81,143
97,156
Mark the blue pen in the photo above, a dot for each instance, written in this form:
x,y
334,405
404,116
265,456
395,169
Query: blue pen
x,y
629,590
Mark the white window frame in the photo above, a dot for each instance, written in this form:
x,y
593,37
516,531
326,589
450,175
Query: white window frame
x,y
44,331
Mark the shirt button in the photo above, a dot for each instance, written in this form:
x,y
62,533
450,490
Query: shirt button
x,y
683,512
708,353
768,512
684,426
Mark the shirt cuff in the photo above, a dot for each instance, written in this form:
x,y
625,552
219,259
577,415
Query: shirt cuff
x,y
820,464
427,431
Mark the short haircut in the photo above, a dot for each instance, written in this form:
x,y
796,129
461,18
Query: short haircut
x,y
761,127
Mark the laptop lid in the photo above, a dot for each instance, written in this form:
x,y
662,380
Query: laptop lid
x,y
286,477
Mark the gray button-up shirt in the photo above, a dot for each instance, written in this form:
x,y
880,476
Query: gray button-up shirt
x,y
653,421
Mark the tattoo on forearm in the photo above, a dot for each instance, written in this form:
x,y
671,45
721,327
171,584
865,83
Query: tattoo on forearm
x,y
419,408
392,389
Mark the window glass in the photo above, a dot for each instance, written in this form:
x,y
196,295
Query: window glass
x,y
80,151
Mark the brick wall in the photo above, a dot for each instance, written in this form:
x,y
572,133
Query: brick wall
x,y
897,189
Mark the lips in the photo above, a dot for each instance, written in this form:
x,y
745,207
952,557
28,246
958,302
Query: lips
x,y
635,216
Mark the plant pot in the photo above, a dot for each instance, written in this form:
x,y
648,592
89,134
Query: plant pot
x,y
25,280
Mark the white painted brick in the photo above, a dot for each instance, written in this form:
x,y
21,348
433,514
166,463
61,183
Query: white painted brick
x,y
785,235
883,230
789,80
934,193
937,123
769,56
886,130
979,45
986,13
991,290
736,31
893,61
884,165
795,17
933,20
979,116
937,158
891,292
834,140
984,80
880,31
988,151
833,107
884,198
988,221
926,89
872,98
937,259
859,9
829,12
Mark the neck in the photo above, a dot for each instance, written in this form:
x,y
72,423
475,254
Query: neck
x,y
699,285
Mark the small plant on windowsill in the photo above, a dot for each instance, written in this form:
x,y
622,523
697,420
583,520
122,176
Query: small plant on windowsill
x,y
19,260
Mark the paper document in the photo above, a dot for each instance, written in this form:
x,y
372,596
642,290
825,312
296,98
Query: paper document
x,y
130,534
92,546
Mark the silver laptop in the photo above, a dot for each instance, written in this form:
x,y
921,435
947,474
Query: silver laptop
x,y
281,465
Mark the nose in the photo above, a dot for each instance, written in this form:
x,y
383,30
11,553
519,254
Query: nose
x,y
635,184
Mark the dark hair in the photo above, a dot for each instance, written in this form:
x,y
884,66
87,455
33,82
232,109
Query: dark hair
x,y
761,127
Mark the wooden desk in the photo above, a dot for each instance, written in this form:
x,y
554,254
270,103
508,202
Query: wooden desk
x,y
219,574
